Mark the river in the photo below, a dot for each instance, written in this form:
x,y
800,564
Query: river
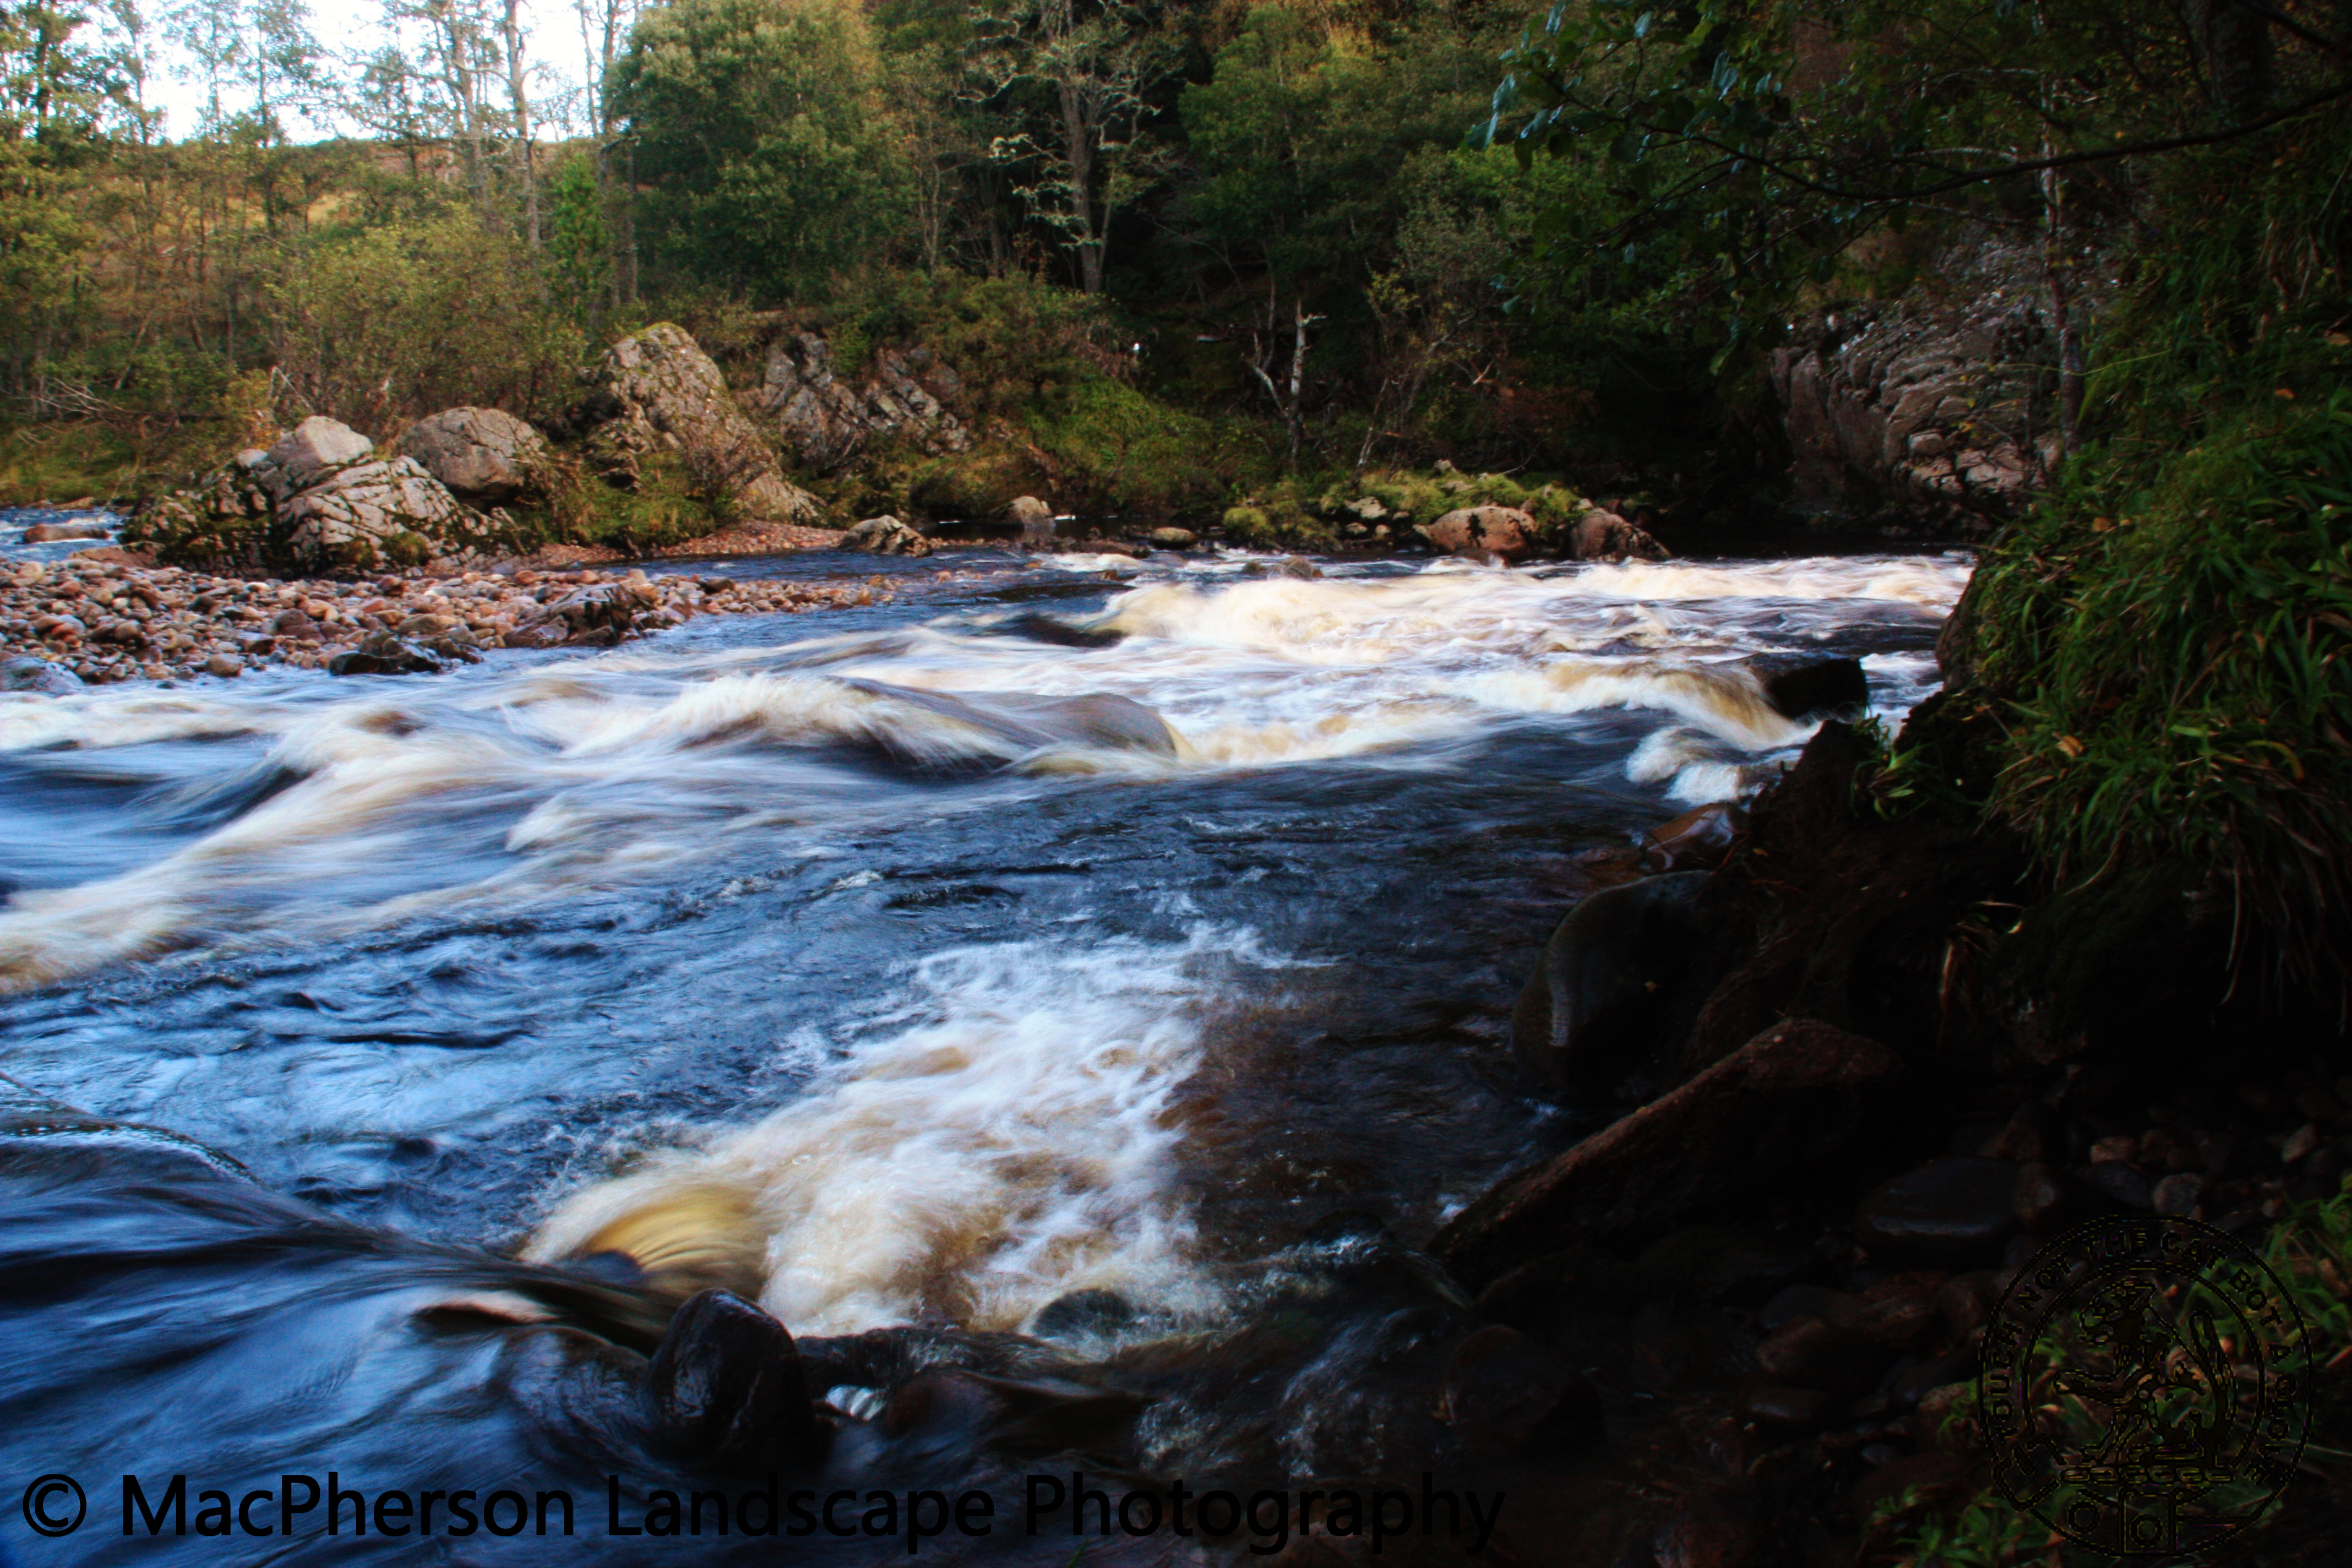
x,y
931,983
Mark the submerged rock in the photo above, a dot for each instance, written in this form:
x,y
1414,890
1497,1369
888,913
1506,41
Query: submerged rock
x,y
1607,983
1796,1095
1799,687
24,673
59,532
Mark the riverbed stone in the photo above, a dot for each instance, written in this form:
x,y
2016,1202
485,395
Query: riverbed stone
x,y
1605,984
1798,686
25,673
1032,519
885,536
1953,1212
726,1383
1797,1094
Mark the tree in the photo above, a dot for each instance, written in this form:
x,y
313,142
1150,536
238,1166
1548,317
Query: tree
x,y
1096,69
761,128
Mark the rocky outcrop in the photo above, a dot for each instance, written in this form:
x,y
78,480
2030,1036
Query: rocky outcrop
x,y
483,456
1938,406
826,421
669,395
319,501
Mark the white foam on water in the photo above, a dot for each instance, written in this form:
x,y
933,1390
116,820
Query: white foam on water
x,y
608,768
1006,1133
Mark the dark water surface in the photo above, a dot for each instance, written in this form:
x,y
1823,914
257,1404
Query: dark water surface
x,y
961,986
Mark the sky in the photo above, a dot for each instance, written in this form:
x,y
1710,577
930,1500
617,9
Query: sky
x,y
351,27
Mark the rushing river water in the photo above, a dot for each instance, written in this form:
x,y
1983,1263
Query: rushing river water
x,y
1050,926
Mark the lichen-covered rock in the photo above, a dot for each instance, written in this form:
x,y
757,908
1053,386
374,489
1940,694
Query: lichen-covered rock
x,y
319,501
826,421
483,456
664,383
885,536
1601,535
1940,403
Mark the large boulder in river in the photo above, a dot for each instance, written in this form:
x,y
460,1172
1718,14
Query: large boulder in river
x,y
1033,518
1485,532
319,501
885,536
666,386
1797,1094
1605,993
485,456
1601,535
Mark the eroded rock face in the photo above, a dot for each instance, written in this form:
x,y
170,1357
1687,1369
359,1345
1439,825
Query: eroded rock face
x,y
669,390
826,421
319,501
1940,404
485,456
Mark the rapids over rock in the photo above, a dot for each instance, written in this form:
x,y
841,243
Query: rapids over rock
x,y
1062,997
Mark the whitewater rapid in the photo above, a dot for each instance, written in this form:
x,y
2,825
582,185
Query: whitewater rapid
x,y
965,1128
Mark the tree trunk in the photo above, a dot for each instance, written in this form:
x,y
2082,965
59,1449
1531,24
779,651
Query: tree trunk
x,y
1078,143
2234,45
518,93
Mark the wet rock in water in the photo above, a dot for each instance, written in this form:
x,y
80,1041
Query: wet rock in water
x,y
1505,1393
2048,1202
1485,533
1174,538
1606,983
1083,1314
1038,626
1799,687
1601,535
1797,1094
1952,1213
58,532
1838,1359
1787,1409
483,456
1697,840
1032,519
727,1384
671,393
1808,1301
225,664
384,653
885,536
25,673
2031,1134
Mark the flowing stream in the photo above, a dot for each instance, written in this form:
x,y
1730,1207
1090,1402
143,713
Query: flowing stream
x,y
1052,925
